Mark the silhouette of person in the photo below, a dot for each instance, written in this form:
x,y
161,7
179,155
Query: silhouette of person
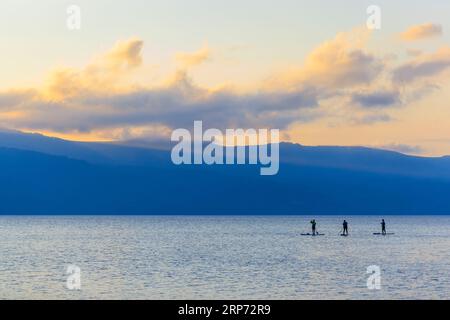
x,y
313,226
383,227
345,226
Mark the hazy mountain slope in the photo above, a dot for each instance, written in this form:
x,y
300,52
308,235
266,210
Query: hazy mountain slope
x,y
35,183
99,153
351,158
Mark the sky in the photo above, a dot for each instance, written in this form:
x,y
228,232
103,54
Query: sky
x,y
138,69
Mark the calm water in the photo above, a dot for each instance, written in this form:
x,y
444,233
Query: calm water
x,y
222,257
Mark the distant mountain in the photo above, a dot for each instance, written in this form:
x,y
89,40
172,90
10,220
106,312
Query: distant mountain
x,y
97,153
41,175
366,159
352,158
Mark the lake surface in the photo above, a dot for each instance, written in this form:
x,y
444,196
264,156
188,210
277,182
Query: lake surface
x,y
234,257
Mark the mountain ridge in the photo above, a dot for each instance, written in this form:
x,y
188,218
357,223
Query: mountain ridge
x,y
127,180
344,157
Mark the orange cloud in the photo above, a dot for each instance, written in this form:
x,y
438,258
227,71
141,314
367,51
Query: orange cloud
x,y
191,59
102,74
340,62
423,31
125,54
339,82
424,66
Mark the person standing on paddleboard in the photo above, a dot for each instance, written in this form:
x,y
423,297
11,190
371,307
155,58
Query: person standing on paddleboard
x,y
313,226
383,227
345,227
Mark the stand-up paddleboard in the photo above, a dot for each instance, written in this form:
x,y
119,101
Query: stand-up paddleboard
x,y
312,235
386,234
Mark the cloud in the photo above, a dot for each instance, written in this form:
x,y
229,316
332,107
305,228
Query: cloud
x,y
413,52
125,54
174,104
424,66
94,98
423,31
339,63
191,59
376,99
12,98
101,74
338,80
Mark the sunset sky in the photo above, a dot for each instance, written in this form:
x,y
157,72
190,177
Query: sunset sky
x,y
311,68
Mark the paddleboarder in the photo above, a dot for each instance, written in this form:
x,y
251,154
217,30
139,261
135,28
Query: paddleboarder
x,y
383,227
313,226
345,227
